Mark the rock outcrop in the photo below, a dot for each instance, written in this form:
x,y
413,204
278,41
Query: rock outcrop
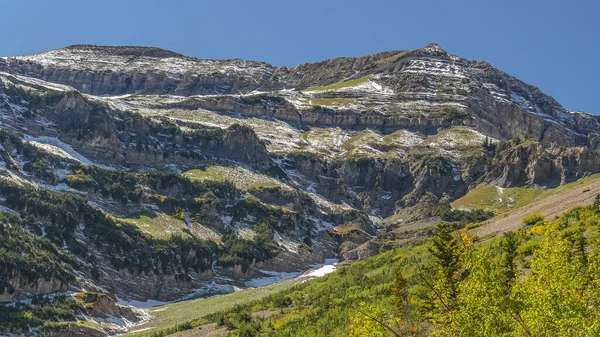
x,y
542,165
20,288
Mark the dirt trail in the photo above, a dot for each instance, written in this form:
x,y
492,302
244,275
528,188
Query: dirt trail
x,y
551,206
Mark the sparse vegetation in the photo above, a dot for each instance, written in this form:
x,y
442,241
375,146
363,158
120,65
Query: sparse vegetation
x,y
159,225
361,139
331,101
30,257
342,84
51,313
242,178
461,217
498,199
261,98
450,113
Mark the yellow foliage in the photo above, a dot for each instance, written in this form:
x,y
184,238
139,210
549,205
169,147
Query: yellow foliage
x,y
467,240
367,322
28,316
161,198
537,230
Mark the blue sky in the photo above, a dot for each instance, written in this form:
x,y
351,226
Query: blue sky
x,y
554,45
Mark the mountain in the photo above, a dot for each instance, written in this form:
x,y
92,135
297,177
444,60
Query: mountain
x,y
391,90
148,175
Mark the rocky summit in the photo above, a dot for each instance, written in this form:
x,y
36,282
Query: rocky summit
x,y
136,174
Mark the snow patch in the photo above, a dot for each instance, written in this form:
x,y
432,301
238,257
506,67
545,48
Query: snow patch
x,y
56,146
140,304
500,190
328,267
275,277
286,242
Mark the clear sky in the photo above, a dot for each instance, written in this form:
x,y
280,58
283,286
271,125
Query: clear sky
x,y
552,44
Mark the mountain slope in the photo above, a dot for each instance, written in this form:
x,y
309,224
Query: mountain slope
x,y
506,285
150,175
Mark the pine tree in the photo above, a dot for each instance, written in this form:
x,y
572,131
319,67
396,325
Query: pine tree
x,y
596,204
446,251
509,245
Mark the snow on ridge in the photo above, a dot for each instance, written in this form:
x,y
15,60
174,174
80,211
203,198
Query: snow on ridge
x,y
53,149
523,103
286,243
370,87
497,93
57,147
576,112
5,78
84,59
434,67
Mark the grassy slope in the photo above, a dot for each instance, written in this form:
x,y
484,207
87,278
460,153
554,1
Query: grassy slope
x,y
550,203
342,84
332,296
512,204
242,178
180,312
498,200
160,225
163,226
502,200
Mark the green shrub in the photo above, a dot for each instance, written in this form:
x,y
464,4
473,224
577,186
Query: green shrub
x,y
447,213
533,219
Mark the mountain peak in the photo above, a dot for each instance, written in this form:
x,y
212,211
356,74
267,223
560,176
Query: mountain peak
x,y
125,50
432,49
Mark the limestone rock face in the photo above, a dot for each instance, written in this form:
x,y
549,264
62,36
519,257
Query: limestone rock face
x,y
161,287
118,138
542,165
20,288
